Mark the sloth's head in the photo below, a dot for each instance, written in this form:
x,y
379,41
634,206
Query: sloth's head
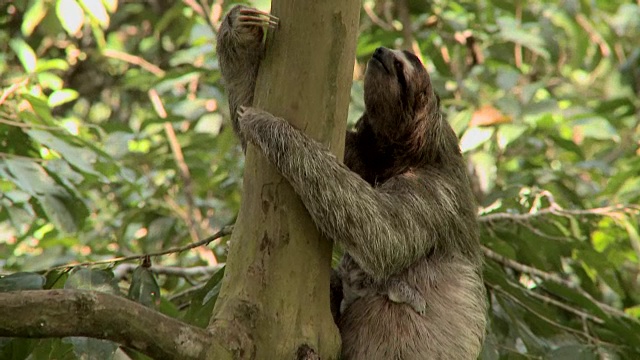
x,y
396,84
401,107
398,95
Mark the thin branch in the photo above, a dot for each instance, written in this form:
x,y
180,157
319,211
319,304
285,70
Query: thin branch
x,y
215,13
517,50
488,253
556,210
195,216
409,42
29,126
61,313
550,277
196,7
226,230
560,304
375,19
210,14
605,50
185,295
123,269
136,60
542,234
14,156
11,89
541,316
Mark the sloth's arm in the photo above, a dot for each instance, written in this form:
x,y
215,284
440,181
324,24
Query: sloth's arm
x,y
240,49
385,229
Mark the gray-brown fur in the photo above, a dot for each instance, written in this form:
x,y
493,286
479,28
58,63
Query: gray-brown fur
x,y
240,50
401,207
355,285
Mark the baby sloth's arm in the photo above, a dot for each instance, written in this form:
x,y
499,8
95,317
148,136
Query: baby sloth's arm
x,y
400,292
240,49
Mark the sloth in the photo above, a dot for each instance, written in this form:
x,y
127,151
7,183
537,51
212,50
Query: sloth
x,y
401,204
240,49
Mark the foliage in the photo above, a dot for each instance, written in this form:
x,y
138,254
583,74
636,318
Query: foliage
x,y
114,141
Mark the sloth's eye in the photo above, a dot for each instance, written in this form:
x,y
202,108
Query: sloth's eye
x,y
398,65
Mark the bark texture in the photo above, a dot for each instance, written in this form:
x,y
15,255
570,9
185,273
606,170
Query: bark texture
x,y
61,313
275,295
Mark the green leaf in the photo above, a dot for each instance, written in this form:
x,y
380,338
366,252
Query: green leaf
x,y
111,5
60,206
50,81
40,107
573,352
82,158
21,281
52,64
32,178
203,301
90,279
70,15
33,17
475,137
25,53
144,288
526,36
484,166
595,127
508,133
63,96
20,348
88,348
96,11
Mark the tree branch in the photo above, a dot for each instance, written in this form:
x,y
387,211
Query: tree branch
x,y
226,230
123,269
60,313
194,217
556,210
136,60
11,89
538,314
409,42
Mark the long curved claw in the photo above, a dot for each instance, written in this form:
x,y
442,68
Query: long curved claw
x,y
257,21
256,17
252,11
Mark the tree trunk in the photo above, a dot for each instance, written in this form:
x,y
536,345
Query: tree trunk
x,y
275,294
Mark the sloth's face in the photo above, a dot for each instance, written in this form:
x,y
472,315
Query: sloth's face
x,y
396,84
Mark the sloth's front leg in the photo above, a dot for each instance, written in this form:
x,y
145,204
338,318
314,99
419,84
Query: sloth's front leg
x,y
274,136
240,49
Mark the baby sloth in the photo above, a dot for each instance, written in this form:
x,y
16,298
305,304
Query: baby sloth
x,y
355,285
401,205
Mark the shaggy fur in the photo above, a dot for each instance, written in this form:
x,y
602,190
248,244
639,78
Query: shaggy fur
x,y
401,207
242,50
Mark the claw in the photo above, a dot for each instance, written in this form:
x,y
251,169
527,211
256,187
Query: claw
x,y
250,11
256,17
241,110
245,20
